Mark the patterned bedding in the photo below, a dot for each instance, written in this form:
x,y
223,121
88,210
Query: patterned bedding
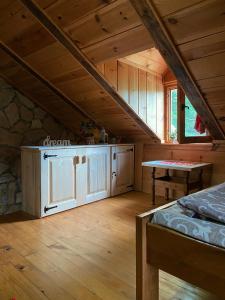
x,y
209,203
200,216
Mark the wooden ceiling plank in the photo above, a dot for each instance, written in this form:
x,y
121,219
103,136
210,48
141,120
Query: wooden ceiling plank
x,y
218,81
43,80
51,65
30,37
206,46
15,20
167,7
48,60
65,12
62,38
110,20
150,61
207,67
120,45
167,48
199,20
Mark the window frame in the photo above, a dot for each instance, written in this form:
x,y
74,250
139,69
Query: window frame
x,y
181,138
167,93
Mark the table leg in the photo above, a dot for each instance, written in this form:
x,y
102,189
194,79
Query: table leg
x,y
153,186
167,189
200,180
187,182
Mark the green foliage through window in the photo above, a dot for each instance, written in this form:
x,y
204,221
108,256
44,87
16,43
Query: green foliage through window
x,y
190,117
173,114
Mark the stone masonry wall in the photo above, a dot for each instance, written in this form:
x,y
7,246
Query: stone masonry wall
x,y
21,123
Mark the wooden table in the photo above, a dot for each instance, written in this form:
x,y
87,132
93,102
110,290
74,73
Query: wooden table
x,y
175,182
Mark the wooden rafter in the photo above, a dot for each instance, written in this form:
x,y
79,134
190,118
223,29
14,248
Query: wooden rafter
x,y
67,43
165,44
28,68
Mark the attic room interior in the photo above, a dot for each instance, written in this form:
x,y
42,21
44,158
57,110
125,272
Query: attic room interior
x,y
112,149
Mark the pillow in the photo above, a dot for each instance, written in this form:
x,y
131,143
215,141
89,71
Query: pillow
x,y
209,203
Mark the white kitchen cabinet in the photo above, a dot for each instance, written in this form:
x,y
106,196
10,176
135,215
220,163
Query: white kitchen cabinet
x,y
55,179
122,169
98,173
52,180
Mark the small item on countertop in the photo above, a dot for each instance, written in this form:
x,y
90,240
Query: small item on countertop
x,y
103,136
86,130
118,139
113,140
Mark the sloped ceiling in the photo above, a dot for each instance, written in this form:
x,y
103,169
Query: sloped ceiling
x,y
36,63
190,35
149,60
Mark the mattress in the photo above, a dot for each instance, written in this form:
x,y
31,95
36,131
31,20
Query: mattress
x,y
187,222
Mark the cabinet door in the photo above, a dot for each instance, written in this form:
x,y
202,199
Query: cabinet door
x,y
122,169
59,188
98,173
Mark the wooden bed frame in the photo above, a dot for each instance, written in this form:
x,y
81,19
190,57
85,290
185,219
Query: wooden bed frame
x,y
157,248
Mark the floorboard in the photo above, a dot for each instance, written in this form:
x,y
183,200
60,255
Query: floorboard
x,y
87,253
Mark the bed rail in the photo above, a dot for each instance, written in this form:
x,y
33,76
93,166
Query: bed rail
x,y
194,261
146,275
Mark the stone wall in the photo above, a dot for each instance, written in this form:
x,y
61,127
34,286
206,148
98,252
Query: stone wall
x,y
21,123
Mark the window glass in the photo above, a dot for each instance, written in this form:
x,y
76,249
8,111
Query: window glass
x,y
190,119
173,114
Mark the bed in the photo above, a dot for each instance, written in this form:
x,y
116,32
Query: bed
x,y
185,238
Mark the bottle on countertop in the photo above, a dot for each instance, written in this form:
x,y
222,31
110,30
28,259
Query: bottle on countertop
x,y
103,136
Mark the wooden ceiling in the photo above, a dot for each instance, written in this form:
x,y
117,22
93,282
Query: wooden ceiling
x,y
35,60
60,78
148,60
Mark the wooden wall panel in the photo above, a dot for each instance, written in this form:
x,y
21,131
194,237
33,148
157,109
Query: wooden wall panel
x,y
152,101
123,84
160,107
133,87
142,95
110,72
142,90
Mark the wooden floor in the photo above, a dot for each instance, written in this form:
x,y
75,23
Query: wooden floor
x,y
86,253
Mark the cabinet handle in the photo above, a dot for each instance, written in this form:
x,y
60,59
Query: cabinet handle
x,y
114,156
77,160
49,155
84,159
48,208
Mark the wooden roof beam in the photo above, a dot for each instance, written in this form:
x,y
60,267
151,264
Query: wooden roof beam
x,y
64,40
165,44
